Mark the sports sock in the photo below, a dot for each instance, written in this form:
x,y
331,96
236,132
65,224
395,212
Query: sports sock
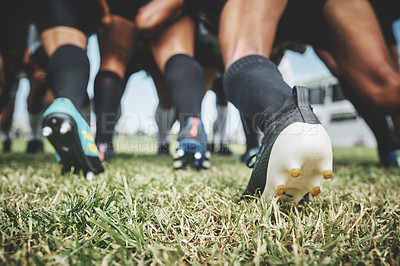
x,y
376,122
255,86
222,115
218,88
164,119
222,108
35,121
68,74
251,132
185,79
108,91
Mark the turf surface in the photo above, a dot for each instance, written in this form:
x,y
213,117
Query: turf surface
x,y
141,211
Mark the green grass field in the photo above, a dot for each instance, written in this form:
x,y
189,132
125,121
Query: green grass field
x,y
140,211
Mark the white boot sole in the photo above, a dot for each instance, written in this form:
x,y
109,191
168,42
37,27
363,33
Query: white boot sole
x,y
300,158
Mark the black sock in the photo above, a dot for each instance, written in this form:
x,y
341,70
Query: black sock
x,y
218,88
376,122
250,131
108,91
255,86
185,79
68,74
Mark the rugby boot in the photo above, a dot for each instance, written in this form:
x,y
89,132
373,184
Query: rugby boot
x,y
391,159
163,149
106,151
192,146
34,146
224,150
211,147
295,154
70,135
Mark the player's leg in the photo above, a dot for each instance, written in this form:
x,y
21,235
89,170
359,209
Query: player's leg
x,y
209,77
6,117
65,42
116,43
376,121
8,79
394,55
3,92
222,115
8,87
249,48
38,88
359,48
36,63
173,51
165,113
68,68
396,125
152,17
287,163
